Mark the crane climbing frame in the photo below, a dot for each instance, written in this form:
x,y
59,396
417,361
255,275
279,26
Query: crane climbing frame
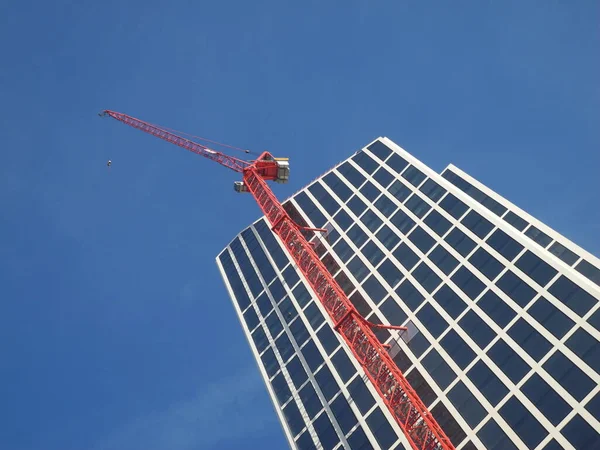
x,y
417,423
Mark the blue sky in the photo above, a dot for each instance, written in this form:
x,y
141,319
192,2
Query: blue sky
x,y
115,328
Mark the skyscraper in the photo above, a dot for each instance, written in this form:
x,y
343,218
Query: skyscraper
x,y
502,312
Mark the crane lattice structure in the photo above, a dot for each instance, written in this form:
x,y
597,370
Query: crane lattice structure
x,y
416,421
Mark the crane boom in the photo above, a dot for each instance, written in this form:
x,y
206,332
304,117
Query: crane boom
x,y
416,421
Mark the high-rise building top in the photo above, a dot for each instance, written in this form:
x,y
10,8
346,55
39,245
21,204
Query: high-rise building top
x,y
503,313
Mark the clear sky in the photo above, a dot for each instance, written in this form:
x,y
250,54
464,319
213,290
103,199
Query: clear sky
x,y
115,329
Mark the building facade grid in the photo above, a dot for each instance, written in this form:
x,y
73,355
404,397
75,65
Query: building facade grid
x,y
503,333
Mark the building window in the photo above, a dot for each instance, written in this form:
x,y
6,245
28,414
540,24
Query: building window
x,y
552,405
492,436
432,190
365,162
390,273
385,206
324,198
516,288
529,339
477,329
551,317
351,174
439,370
371,221
358,269
387,237
504,244
460,242
380,150
443,259
274,324
270,362
358,439
477,224
357,206
523,422
399,191
431,320
372,252
392,312
271,244
310,400
417,205
466,404
305,442
310,209
299,331
437,223
264,304
487,382
496,308
343,365
572,295
581,434
328,339
538,236
402,222
426,277
413,175
406,256
589,271
312,355
284,345
357,235
293,418
383,177
422,388
486,263
458,350
586,347
450,301
251,319
397,163
453,206
370,191
467,282
343,413
563,253
337,186
380,427
421,239
281,388
508,361
540,271
447,422
326,382
515,221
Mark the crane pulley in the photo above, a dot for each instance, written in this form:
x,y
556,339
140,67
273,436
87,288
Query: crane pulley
x,y
416,421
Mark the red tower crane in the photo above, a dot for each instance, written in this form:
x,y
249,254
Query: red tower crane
x,y
415,420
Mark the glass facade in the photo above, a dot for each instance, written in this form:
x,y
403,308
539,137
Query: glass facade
x,y
503,313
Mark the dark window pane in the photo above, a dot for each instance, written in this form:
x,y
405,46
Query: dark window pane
x,y
437,223
299,331
383,177
422,388
523,422
264,304
297,372
493,437
290,276
572,295
409,295
360,395
233,277
413,175
281,388
552,406
586,347
314,316
552,318
312,355
516,288
301,295
443,259
337,186
467,282
358,440
402,222
508,361
357,235
392,312
496,308
515,221
271,243
385,205
390,273
458,350
343,414
589,271
367,163
566,255
293,418
305,442
274,324
373,253
351,174
486,263
397,163
447,422
328,438
421,239
538,236
310,400
426,277
439,369
260,339
388,237
374,289
344,220
529,339
277,290
262,262
288,310
380,150
399,190
380,427
504,244
328,339
284,345
477,329
417,205
356,205
370,191
343,365
310,209
371,221
418,344
477,224
431,320
330,263
250,318
487,382
358,268
540,271
343,250
406,256
324,198
450,301
432,190
593,406
466,403
453,206
270,362
360,303
581,434
326,382
460,242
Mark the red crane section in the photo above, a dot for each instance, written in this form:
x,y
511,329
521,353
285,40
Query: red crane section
x,y
416,421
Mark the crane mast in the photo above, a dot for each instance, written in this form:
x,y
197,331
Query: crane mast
x,y
416,421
